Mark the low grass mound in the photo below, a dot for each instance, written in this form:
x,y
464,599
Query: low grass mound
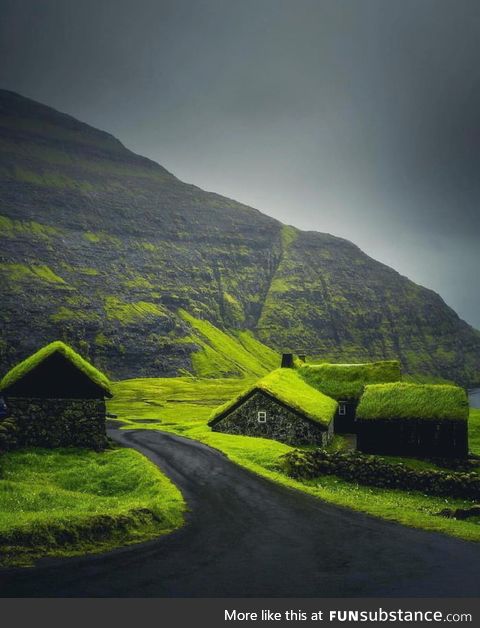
x,y
23,368
413,401
287,386
346,382
70,501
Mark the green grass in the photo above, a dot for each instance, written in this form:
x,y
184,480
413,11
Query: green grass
x,y
221,353
12,228
346,381
425,379
47,274
413,401
20,370
167,399
21,272
474,430
66,314
101,238
183,405
287,386
71,501
127,313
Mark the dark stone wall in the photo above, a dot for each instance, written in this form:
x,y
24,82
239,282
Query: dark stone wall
x,y
413,437
58,422
281,424
376,471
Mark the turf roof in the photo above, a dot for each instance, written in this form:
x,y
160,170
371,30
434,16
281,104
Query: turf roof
x,y
346,382
413,401
19,371
288,387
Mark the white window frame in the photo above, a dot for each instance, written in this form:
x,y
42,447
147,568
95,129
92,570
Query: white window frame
x,y
262,416
342,409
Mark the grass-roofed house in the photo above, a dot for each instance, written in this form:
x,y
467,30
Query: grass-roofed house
x,y
345,383
413,420
57,399
280,406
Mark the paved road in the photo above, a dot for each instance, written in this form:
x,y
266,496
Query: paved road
x,y
248,537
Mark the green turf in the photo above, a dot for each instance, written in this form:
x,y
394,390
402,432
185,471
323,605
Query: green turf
x,y
286,385
23,368
21,272
128,313
70,501
164,399
413,401
234,353
346,381
182,406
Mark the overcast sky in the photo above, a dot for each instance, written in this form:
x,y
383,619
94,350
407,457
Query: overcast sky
x,y
360,118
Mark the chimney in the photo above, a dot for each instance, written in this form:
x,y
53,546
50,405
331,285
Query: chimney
x,y
287,361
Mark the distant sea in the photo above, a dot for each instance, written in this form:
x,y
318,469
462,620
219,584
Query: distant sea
x,y
474,397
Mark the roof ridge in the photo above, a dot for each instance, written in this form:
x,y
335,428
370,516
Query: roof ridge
x,y
288,387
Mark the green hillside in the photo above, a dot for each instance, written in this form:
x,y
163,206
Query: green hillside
x,y
107,251
219,353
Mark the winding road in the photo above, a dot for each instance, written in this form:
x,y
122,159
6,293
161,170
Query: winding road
x,y
248,537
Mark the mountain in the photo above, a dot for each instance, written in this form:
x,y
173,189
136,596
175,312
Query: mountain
x,y
110,252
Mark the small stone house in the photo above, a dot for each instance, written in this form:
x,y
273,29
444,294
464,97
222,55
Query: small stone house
x,y
57,399
280,406
345,383
416,420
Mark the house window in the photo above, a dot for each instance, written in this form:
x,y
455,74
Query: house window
x,y
342,410
262,416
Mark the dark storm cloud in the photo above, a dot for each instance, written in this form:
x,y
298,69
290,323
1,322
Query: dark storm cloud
x,y
357,118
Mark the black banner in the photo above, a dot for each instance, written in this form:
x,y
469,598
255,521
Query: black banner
x,y
221,613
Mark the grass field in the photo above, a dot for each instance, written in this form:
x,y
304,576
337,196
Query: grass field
x,y
64,502
183,406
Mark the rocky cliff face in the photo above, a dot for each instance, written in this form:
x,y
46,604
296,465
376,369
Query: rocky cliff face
x,y
103,248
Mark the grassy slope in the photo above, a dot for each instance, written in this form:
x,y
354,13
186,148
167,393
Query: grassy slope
x,y
183,407
236,353
65,502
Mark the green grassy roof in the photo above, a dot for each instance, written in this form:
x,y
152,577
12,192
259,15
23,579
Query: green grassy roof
x,y
346,381
286,386
413,401
23,368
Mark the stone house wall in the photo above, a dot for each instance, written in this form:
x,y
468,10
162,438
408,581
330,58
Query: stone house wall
x,y
58,422
281,423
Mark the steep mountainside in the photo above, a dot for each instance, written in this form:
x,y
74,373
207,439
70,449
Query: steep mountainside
x,y
110,252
